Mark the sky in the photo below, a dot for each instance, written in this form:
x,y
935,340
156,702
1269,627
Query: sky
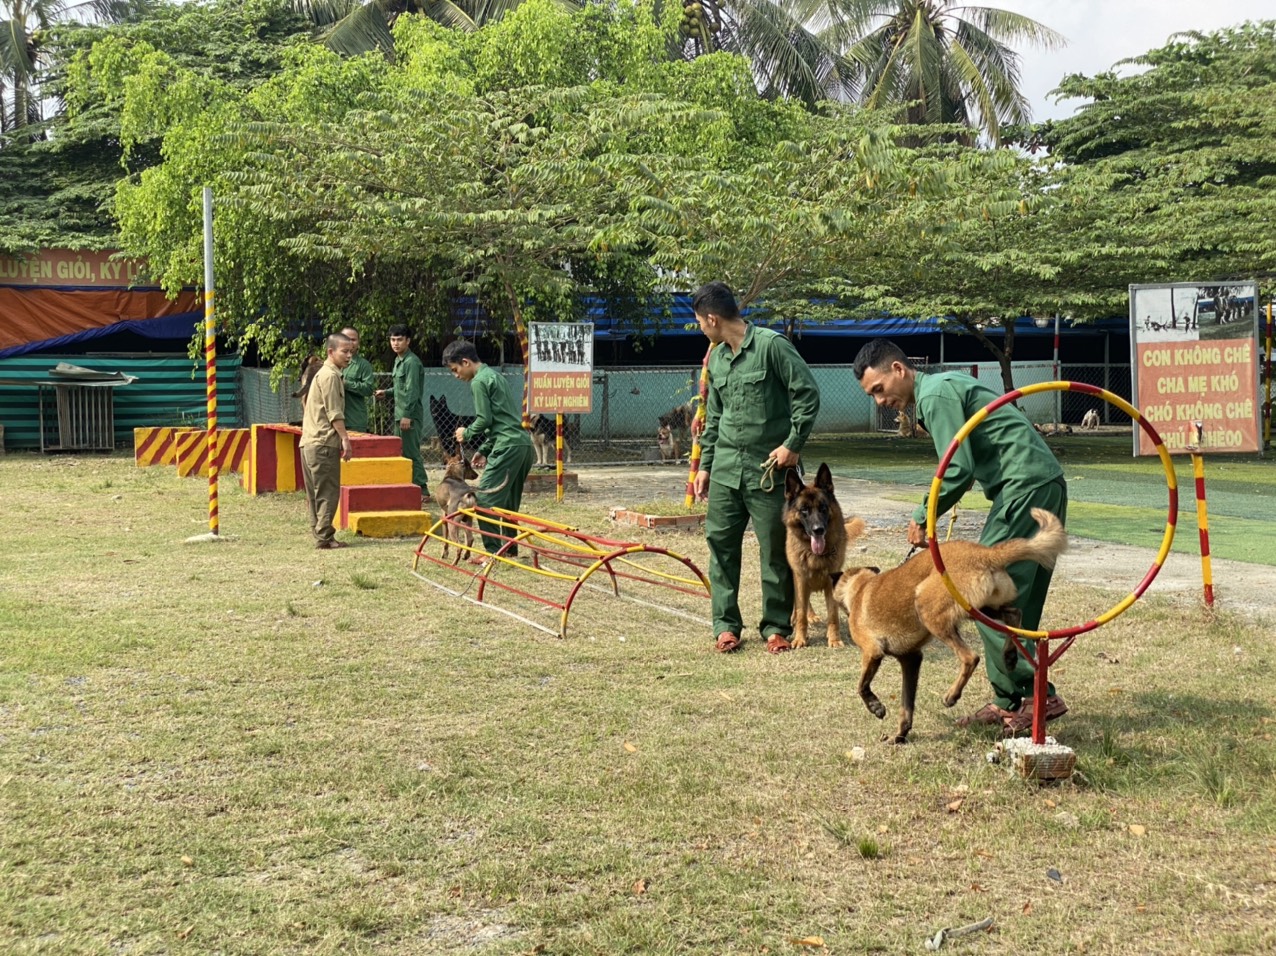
x,y
1101,32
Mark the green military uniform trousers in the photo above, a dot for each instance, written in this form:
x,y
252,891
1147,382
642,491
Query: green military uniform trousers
x,y
1013,519
512,461
411,438
729,512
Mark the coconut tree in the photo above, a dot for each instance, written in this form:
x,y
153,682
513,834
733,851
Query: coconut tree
x,y
938,61
352,27
794,46
24,29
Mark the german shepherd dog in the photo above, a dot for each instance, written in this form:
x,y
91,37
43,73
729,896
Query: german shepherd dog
x,y
544,436
894,613
454,494
446,422
679,421
815,545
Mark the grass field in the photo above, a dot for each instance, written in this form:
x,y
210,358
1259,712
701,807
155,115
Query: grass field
x,y
256,748
1111,496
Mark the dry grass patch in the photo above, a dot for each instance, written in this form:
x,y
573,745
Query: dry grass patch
x,y
244,748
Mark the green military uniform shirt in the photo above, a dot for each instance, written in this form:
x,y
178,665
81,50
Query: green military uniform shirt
x,y
761,397
496,416
359,380
409,389
1005,454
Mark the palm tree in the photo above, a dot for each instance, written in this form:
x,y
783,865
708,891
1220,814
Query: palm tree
x,y
24,25
938,61
793,45
351,27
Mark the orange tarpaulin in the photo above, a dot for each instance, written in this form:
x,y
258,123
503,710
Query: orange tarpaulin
x,y
35,315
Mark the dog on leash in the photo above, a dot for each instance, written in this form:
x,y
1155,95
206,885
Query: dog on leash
x,y
446,422
544,437
454,493
816,535
895,613
1090,421
667,441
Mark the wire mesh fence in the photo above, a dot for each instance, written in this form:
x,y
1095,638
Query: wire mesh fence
x,y
630,404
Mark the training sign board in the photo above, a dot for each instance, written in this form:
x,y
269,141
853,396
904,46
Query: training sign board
x,y
1195,365
560,368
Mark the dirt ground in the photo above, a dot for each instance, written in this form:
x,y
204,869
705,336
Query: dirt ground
x,y
1239,587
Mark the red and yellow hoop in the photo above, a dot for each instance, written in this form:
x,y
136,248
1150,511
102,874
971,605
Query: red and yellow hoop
x,y
971,424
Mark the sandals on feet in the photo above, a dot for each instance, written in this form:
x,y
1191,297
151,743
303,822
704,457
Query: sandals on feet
x,y
777,644
727,642
989,714
1020,722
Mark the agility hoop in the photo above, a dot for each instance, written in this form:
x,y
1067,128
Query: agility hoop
x,y
971,424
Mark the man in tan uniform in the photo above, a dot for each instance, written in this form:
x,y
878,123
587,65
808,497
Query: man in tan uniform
x,y
324,442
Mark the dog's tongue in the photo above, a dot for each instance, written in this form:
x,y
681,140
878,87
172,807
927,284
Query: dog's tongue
x,y
817,544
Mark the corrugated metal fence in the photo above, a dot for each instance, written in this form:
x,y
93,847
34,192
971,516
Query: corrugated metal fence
x,y
169,390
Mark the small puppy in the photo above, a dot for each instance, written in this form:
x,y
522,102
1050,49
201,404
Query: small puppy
x,y
668,442
1090,420
895,613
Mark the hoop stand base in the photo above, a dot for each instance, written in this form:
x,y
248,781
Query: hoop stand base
x,y
1047,762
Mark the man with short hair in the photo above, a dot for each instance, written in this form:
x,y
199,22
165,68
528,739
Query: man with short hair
x,y
505,443
359,381
409,401
325,442
762,404
1016,470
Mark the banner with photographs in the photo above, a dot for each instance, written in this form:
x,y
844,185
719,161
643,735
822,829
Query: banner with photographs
x,y
1195,363
560,370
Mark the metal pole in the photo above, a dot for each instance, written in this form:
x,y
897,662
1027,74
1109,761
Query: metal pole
x,y
1058,395
210,360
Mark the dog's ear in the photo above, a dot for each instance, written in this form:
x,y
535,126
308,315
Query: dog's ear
x,y
824,478
875,570
792,483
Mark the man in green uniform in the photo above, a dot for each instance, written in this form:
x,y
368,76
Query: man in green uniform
x,y
1017,472
761,406
505,444
324,443
409,401
359,380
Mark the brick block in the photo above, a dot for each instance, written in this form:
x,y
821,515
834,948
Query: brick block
x,y
376,471
356,498
390,524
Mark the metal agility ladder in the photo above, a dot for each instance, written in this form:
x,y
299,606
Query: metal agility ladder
x,y
550,553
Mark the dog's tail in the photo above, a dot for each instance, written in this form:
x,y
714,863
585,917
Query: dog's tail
x,y
1044,547
854,529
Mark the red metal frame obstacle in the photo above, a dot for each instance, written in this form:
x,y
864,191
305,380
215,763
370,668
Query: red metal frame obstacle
x,y
552,552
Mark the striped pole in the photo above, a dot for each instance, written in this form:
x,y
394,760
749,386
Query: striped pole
x,y
210,360
558,456
1202,515
1267,427
697,428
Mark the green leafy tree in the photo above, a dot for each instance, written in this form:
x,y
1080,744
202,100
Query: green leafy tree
x,y
1169,175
